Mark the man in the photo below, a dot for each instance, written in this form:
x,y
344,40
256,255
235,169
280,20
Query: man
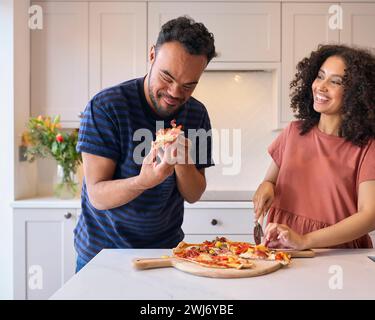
x,y
127,203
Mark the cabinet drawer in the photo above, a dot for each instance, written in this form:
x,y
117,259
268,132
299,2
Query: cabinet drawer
x,y
218,221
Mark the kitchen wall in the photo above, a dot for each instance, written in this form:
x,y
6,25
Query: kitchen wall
x,y
240,101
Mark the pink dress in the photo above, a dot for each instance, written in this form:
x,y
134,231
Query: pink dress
x,y
318,181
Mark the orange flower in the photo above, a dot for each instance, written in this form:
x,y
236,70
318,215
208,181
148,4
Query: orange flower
x,y
47,122
26,139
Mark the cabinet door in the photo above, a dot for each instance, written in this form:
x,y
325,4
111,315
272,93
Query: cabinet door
x,y
304,27
59,61
244,32
118,43
44,256
358,24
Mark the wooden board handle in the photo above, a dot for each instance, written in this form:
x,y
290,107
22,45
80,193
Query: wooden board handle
x,y
151,263
303,254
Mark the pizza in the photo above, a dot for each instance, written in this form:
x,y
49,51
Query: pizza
x,y
167,135
222,253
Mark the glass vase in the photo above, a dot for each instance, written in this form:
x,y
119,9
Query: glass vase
x,y
65,184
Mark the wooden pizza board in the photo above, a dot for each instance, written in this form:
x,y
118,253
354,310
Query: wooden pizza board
x,y
300,253
261,267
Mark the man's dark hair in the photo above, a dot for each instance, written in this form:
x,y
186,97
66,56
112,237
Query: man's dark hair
x,y
358,110
194,36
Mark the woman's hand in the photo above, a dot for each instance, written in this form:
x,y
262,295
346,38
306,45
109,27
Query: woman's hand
x,y
263,198
281,236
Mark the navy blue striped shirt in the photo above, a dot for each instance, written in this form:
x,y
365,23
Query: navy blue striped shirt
x,y
107,129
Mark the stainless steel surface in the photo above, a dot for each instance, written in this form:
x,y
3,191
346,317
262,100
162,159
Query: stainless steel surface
x,y
258,233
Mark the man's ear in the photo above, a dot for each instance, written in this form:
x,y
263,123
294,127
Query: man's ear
x,y
152,55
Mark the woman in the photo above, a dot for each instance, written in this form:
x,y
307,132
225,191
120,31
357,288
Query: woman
x,y
320,186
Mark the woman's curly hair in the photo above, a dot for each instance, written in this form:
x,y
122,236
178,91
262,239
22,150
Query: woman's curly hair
x,y
358,110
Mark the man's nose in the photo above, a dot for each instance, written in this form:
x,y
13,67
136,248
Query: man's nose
x,y
174,90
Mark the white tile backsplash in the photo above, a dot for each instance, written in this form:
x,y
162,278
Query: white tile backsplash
x,y
239,100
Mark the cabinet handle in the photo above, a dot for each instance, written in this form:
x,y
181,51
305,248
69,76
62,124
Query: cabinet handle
x,y
214,222
67,215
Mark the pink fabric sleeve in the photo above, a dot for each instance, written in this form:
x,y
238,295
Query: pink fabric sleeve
x,y
277,147
367,166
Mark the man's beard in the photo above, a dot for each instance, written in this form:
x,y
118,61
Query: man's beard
x,y
158,108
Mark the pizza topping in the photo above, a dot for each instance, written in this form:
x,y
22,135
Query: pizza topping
x,y
222,253
168,135
218,244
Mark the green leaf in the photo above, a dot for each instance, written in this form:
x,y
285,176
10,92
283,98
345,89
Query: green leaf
x,y
57,119
54,147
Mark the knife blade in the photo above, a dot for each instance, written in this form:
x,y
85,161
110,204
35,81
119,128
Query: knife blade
x,y
258,230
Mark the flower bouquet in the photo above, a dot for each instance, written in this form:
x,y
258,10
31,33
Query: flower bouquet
x,y
45,138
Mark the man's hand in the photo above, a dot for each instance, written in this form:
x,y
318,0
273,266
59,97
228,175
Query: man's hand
x,y
177,152
183,146
153,173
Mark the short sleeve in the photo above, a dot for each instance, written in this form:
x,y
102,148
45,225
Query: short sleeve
x,y
98,134
277,147
367,166
202,145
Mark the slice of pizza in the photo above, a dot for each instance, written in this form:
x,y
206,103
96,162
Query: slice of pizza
x,y
246,250
167,135
251,251
261,252
212,254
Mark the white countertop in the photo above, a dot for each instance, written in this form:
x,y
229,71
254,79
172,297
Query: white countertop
x,y
110,275
205,202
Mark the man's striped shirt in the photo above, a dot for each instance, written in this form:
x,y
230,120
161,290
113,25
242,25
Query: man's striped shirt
x,y
109,129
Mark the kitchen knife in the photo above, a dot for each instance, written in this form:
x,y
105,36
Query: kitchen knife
x,y
258,231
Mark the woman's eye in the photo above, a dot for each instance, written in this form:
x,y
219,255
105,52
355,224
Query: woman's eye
x,y
320,76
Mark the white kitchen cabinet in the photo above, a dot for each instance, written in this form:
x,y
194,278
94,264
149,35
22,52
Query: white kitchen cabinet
x,y
59,61
44,256
244,32
207,220
358,24
304,27
84,47
117,43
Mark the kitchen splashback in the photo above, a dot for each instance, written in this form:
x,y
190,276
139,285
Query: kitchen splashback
x,y
239,103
